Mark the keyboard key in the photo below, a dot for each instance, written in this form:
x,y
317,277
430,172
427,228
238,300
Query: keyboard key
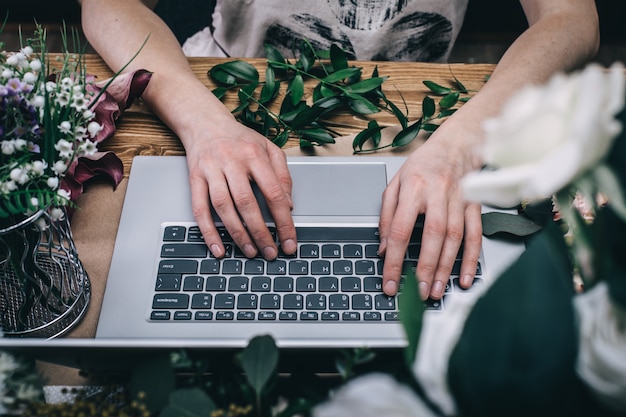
x,y
225,301
372,316
267,315
330,316
174,234
283,284
293,302
184,250
193,283
352,251
254,267
160,315
247,301
238,284
203,315
315,302
306,284
194,235
328,284
350,284
371,250
224,315
320,267
308,316
351,316
277,267
168,282
338,302
245,315
373,284
392,316
309,251
270,302
210,266
201,301
298,267
364,267
343,267
260,284
362,302
215,284
170,301
384,302
331,251
232,267
178,266
287,316
182,315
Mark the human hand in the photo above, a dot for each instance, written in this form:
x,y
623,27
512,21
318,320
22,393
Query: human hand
x,y
220,174
428,183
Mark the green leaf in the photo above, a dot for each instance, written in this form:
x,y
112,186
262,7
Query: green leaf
x,y
317,135
271,86
338,57
281,139
428,107
366,86
259,360
219,92
361,105
406,136
411,312
241,70
507,224
273,54
430,127
371,132
404,121
342,75
222,77
296,87
446,113
189,402
307,56
436,88
449,100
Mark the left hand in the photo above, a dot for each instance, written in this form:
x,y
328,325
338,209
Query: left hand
x,y
428,183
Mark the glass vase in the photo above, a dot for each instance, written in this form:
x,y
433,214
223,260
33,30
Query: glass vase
x,y
44,288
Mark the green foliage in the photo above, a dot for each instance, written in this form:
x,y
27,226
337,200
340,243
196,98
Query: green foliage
x,y
339,87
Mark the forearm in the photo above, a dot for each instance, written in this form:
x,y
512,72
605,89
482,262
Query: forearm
x,y
117,29
557,40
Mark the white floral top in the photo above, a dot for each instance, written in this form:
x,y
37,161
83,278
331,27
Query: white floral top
x,y
395,30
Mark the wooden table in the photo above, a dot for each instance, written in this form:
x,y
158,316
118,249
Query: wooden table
x,y
139,132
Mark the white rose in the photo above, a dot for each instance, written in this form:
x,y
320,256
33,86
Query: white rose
x,y
373,395
547,136
602,346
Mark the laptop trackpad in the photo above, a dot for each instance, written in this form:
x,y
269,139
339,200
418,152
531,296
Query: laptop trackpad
x,y
337,188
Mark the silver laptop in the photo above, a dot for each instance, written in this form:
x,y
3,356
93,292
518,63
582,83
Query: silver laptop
x,y
165,286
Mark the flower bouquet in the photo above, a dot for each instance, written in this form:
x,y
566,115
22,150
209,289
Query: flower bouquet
x,y
52,115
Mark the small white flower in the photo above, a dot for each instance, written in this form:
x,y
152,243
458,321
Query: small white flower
x,y
35,65
88,114
67,82
57,214
64,148
8,147
38,167
52,183
51,86
29,78
34,201
59,167
20,144
65,127
19,175
38,101
7,73
88,148
63,194
63,99
80,132
27,51
8,186
94,128
79,102
13,60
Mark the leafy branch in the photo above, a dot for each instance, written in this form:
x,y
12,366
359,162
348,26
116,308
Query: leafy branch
x,y
338,86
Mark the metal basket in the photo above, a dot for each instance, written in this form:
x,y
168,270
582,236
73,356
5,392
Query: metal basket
x,y
44,289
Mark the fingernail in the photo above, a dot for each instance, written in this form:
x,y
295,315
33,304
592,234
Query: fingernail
x,y
249,250
466,281
216,250
391,288
289,246
269,253
437,289
424,289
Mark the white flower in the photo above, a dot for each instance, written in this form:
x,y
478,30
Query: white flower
x,y
34,202
94,128
38,167
602,346
64,148
27,51
374,395
8,186
57,214
29,78
65,127
53,183
88,148
19,175
547,136
8,147
13,60
51,86
20,144
7,73
59,167
35,65
63,194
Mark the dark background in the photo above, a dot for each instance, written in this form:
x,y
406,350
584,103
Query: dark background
x,y
489,25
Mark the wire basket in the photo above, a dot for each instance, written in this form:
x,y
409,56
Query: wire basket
x,y
44,288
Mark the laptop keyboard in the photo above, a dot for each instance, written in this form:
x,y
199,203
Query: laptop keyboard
x,y
335,276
